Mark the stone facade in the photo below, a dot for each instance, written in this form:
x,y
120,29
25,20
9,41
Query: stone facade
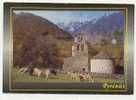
x,y
76,63
80,47
79,58
101,63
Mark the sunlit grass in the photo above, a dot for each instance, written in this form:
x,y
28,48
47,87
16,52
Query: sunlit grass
x,y
23,77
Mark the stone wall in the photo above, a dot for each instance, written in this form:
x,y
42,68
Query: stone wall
x,y
75,63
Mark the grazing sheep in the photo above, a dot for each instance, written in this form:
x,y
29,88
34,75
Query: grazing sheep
x,y
89,77
46,72
68,73
81,77
23,69
84,76
73,75
37,72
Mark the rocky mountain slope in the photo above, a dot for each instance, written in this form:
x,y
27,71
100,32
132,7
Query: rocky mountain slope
x,y
96,29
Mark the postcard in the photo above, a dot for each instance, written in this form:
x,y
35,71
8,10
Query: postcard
x,y
68,48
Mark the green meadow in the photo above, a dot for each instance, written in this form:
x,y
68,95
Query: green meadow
x,y
24,77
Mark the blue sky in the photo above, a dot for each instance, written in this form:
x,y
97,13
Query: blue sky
x,y
67,16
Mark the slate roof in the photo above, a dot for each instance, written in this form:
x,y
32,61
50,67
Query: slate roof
x,y
102,55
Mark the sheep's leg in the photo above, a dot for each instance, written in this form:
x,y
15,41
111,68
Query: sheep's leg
x,y
47,76
39,74
24,70
21,70
89,78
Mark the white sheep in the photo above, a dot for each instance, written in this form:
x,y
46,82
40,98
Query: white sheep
x,y
46,72
37,72
23,69
85,77
73,75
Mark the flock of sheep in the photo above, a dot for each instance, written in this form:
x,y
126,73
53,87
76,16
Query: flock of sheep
x,y
82,75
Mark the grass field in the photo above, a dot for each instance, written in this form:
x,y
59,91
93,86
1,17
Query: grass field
x,y
23,77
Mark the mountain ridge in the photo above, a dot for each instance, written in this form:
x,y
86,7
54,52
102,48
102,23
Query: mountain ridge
x,y
38,42
104,26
